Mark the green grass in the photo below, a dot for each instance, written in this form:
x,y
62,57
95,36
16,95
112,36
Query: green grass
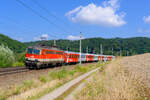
x,y
59,74
18,64
62,75
81,69
2,98
43,79
72,72
53,74
28,84
17,91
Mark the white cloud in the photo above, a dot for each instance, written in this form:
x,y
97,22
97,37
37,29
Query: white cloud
x,y
71,37
105,15
42,37
146,19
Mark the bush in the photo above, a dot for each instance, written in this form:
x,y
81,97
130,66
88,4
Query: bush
x,y
6,56
62,74
43,79
72,72
58,74
81,69
17,91
18,64
20,57
53,74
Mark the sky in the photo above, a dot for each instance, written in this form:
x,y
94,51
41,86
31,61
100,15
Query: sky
x,y
29,20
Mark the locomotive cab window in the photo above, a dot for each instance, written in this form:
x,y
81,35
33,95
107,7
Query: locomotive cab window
x,y
33,51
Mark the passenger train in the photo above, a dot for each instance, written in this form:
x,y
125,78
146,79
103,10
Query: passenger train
x,y
44,56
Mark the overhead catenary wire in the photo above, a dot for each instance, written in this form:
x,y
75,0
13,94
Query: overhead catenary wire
x,y
41,16
50,14
21,25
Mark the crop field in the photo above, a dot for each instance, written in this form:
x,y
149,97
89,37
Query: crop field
x,y
126,78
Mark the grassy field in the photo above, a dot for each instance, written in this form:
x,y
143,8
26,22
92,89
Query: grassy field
x,y
34,89
114,82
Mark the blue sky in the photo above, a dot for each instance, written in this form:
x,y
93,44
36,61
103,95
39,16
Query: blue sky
x,y
94,18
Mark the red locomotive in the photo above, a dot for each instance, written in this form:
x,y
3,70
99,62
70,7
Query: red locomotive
x,y
43,56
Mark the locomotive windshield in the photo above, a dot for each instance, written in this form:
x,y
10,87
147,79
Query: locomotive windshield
x,y
33,51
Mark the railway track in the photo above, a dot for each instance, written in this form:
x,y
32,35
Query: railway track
x,y
6,71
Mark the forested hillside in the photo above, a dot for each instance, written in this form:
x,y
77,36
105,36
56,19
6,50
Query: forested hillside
x,y
137,45
14,45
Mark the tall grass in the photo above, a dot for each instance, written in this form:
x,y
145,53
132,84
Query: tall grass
x,y
6,56
59,74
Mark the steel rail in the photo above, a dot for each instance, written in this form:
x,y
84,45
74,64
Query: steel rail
x,y
6,71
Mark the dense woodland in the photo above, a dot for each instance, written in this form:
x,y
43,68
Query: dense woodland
x,y
136,45
132,46
14,45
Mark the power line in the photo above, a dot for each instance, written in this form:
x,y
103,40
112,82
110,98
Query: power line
x,y
21,25
38,14
50,14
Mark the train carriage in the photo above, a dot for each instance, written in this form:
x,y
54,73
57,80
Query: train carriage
x,y
43,56
71,57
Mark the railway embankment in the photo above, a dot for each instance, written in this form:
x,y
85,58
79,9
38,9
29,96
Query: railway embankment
x,y
126,78
36,83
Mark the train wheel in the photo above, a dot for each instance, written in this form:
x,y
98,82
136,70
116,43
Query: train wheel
x,y
38,67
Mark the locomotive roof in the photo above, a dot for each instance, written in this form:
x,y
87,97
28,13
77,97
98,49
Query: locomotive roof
x,y
45,47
